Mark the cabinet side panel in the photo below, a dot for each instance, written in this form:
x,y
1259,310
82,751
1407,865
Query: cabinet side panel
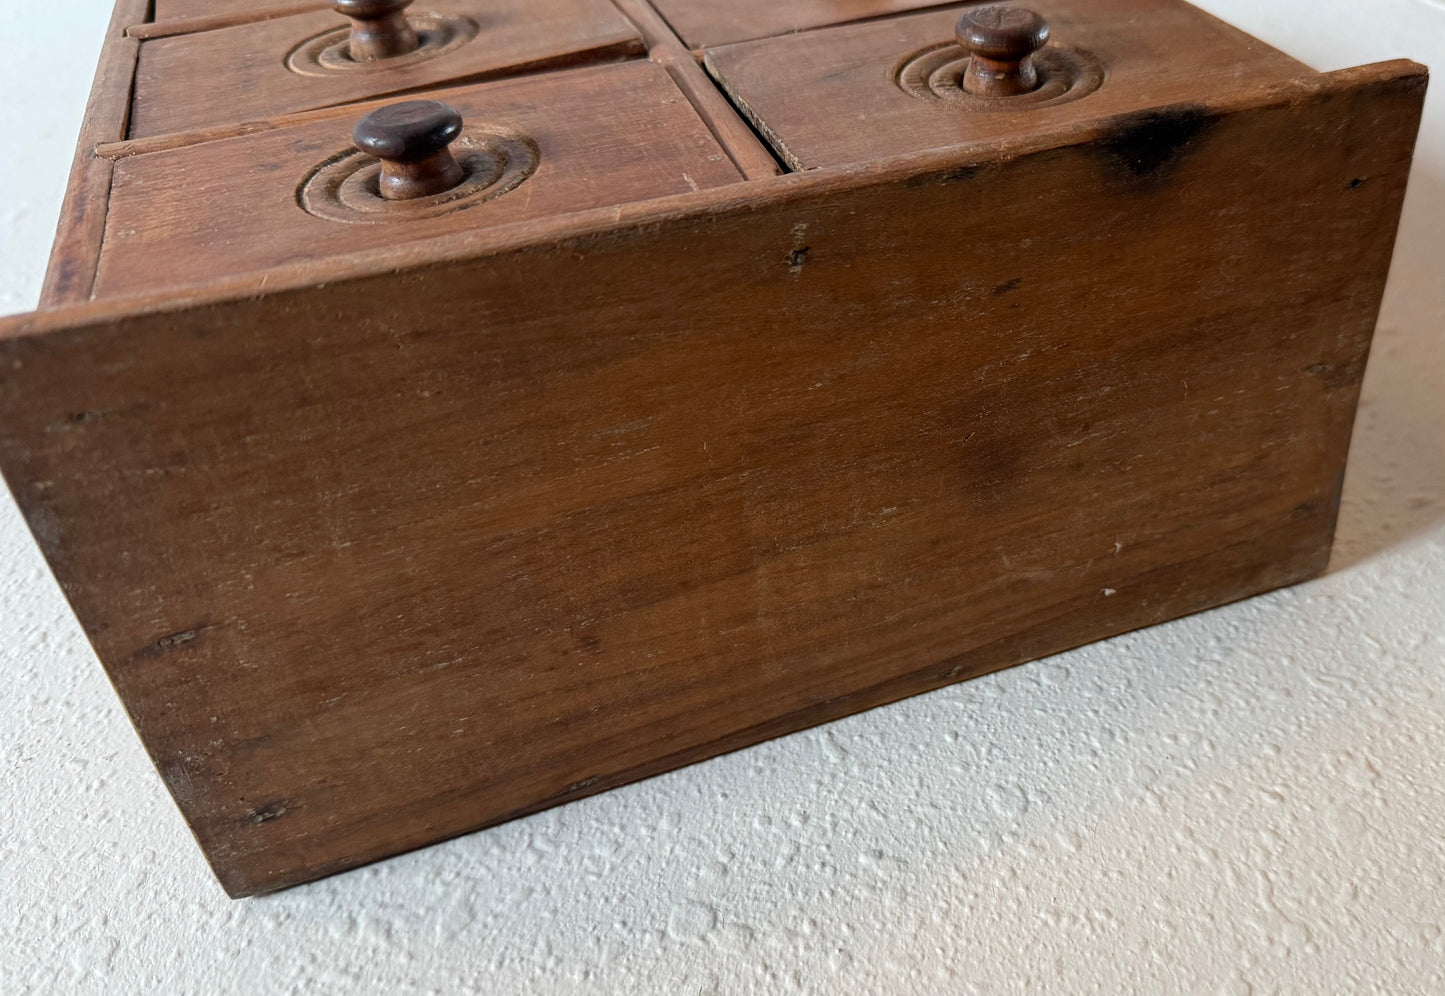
x,y
386,560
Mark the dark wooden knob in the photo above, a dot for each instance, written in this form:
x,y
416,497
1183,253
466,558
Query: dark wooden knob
x,y
411,140
1001,42
379,28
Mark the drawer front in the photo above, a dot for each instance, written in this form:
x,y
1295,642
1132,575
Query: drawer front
x,y
251,72
540,146
870,91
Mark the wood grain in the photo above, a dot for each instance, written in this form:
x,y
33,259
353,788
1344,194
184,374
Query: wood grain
x,y
182,17
384,549
1155,53
238,74
606,135
176,10
704,23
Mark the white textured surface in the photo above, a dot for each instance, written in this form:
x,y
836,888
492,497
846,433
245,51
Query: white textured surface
x,y
1248,801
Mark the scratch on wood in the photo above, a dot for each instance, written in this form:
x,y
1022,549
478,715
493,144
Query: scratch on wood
x,y
266,813
168,643
798,255
578,786
75,420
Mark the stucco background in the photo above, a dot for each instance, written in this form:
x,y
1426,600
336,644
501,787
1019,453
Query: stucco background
x,y
1250,801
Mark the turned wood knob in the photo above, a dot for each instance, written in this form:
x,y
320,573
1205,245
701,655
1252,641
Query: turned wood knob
x,y
1001,42
379,28
411,140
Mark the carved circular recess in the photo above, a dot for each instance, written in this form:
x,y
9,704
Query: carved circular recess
x,y
345,187
936,75
330,51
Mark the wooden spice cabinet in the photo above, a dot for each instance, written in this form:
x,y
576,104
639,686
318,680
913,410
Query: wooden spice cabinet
x,y
391,527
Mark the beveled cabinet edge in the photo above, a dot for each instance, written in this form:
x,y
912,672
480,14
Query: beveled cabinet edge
x,y
195,23
75,253
749,195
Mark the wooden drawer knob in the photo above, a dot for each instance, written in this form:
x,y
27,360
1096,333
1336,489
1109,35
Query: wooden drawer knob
x,y
411,140
1001,42
379,28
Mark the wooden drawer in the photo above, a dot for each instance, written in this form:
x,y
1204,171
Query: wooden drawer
x,y
875,90
250,72
543,146
701,23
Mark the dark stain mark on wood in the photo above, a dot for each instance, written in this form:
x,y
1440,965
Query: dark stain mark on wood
x,y
68,274
957,174
1146,146
994,468
1008,287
